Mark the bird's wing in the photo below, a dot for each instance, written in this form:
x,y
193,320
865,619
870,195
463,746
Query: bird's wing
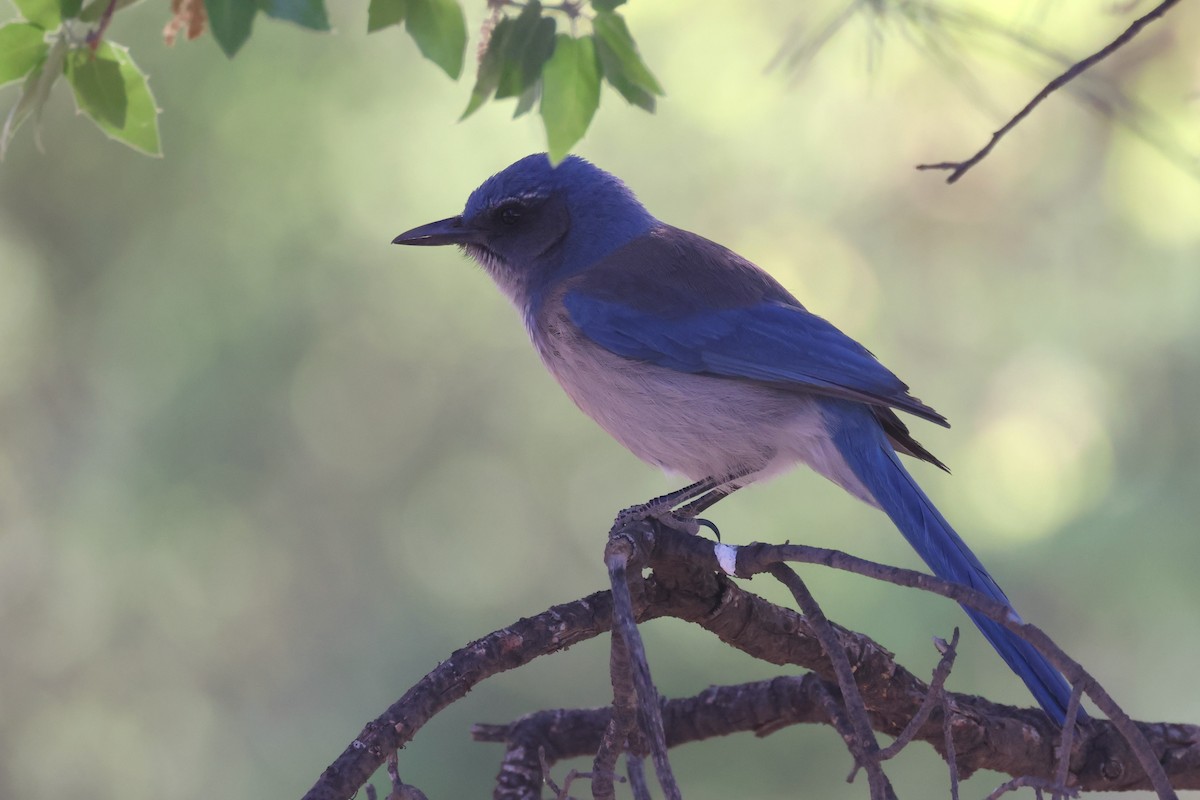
x,y
662,316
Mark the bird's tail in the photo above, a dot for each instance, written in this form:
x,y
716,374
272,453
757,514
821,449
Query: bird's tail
x,y
874,462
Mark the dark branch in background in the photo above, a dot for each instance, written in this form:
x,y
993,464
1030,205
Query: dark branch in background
x,y
959,168
685,584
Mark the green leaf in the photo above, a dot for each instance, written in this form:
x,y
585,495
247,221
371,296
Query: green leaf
x,y
137,124
529,48
632,93
440,31
570,92
309,14
69,9
230,22
490,67
606,5
95,9
23,48
34,93
43,13
528,99
622,64
99,87
384,13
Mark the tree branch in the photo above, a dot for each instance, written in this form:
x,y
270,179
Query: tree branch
x,y
634,693
764,707
762,558
959,168
554,629
687,585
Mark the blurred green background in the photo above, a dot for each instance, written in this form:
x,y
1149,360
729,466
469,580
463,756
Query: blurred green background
x,y
260,470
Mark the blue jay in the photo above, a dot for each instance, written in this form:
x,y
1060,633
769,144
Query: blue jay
x,y
701,363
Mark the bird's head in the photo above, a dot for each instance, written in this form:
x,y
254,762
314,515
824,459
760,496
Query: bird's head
x,y
534,223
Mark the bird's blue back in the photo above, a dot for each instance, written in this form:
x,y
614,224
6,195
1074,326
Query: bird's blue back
x,y
701,363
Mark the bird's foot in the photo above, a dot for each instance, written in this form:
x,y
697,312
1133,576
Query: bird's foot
x,y
653,510
661,512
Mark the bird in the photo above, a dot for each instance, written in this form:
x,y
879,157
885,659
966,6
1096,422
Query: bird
x,y
701,363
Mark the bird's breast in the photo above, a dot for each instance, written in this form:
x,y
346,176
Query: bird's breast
x,y
693,424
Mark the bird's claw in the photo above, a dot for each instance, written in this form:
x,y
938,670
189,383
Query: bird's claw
x,y
665,515
704,523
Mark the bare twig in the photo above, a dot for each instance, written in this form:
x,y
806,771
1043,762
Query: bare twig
x,y
951,757
572,776
95,37
620,723
564,793
636,769
934,698
1039,785
836,712
617,556
393,772
534,746
959,168
863,746
1063,773
400,789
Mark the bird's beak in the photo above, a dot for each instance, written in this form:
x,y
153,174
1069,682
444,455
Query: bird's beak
x,y
444,231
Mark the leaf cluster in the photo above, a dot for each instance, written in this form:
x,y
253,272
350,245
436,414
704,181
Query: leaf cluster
x,y
526,57
49,42
523,54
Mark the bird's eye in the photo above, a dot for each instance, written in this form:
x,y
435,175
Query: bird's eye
x,y
510,214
